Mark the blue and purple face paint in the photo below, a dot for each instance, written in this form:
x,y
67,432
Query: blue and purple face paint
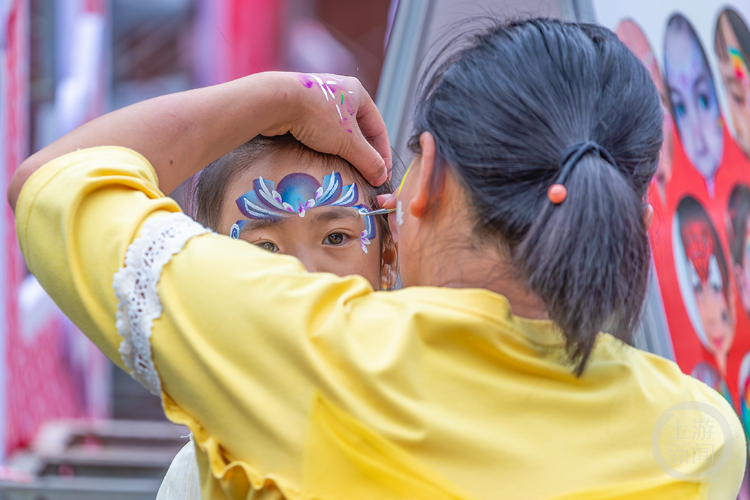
x,y
295,195
369,232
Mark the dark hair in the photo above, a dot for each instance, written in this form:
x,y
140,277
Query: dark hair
x,y
502,109
739,211
208,192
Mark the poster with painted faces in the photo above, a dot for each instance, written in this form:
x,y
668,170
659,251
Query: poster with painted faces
x,y
698,54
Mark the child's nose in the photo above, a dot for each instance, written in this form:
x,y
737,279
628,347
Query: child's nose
x,y
310,264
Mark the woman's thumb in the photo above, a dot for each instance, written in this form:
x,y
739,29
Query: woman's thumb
x,y
368,161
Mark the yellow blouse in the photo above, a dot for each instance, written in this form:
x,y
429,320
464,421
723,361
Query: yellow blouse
x,y
305,385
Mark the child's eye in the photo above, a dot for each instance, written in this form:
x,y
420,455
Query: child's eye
x,y
703,101
267,245
335,239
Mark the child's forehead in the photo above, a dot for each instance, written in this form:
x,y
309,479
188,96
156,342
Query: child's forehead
x,y
684,52
278,165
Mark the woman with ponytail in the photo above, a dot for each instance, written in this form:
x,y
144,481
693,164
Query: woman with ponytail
x,y
522,233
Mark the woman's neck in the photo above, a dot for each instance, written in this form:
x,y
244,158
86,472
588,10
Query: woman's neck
x,y
449,253
481,267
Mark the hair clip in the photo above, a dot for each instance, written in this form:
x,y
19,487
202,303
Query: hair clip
x,y
557,193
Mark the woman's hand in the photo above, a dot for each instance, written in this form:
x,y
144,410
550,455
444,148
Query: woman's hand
x,y
334,114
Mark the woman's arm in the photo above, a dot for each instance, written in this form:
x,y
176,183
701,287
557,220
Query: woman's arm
x,y
207,322
182,133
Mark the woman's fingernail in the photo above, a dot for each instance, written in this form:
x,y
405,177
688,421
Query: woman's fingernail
x,y
382,199
390,201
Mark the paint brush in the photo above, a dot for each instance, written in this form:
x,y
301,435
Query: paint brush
x,y
380,211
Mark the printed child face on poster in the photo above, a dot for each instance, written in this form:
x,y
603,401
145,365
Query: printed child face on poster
x,y
701,192
692,96
632,35
739,241
732,47
703,279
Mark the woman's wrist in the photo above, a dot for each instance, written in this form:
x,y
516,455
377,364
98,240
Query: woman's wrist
x,y
281,101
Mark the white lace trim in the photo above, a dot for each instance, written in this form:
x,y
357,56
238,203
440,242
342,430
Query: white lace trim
x,y
138,303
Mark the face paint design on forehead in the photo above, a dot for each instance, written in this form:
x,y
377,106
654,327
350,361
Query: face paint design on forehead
x,y
738,64
699,248
296,194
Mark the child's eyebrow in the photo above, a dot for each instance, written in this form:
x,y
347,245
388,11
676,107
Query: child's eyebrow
x,y
329,214
319,215
262,223
702,78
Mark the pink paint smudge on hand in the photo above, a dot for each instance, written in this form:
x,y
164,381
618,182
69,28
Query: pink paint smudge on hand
x,y
309,81
350,108
305,80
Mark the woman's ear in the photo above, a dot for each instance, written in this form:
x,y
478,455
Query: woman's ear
x,y
388,264
648,216
423,185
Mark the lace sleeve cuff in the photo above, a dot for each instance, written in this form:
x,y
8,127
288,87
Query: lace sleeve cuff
x,y
138,303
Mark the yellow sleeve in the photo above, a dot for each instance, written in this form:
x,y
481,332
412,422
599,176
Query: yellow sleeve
x,y
75,218
230,335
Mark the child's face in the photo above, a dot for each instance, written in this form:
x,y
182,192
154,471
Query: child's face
x,y
326,239
734,74
708,286
693,98
714,312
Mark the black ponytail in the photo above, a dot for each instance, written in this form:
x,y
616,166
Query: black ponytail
x,y
504,110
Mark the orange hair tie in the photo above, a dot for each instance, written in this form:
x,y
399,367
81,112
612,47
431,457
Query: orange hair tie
x,y
570,157
557,193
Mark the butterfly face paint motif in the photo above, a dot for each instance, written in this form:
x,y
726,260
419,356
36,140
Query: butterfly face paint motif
x,y
295,195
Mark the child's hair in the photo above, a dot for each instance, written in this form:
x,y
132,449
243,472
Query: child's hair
x,y
209,191
739,211
503,106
